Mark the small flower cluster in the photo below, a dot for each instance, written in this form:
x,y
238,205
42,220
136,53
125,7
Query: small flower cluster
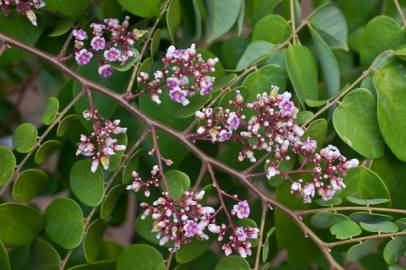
x,y
327,168
184,73
24,7
100,145
176,222
268,124
138,183
239,237
111,41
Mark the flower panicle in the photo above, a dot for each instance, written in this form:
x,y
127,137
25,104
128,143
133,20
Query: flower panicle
x,y
100,144
25,7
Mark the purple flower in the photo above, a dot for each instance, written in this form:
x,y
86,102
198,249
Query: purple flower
x,y
206,85
79,34
172,82
83,57
233,121
112,54
190,228
287,107
105,70
179,95
240,234
224,135
98,43
241,210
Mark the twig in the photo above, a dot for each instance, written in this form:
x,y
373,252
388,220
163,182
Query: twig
x,y
261,236
199,179
350,208
159,157
144,47
364,238
292,20
400,11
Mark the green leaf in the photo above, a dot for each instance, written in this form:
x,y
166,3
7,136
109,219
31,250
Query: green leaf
x,y
361,250
233,263
380,34
390,83
255,52
29,184
132,165
221,16
380,227
173,17
115,160
330,22
71,127
356,200
357,12
356,124
64,223
70,8
394,249
178,182
325,220
261,80
51,111
4,259
401,223
155,42
45,150
364,184
143,228
100,265
272,28
192,250
302,116
315,103
88,187
328,62
369,217
345,229
302,72
267,242
142,8
317,131
140,257
336,200
92,241
19,225
7,164
110,201
44,256
62,27
25,137
401,53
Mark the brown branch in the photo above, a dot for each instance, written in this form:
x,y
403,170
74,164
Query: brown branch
x,y
208,160
159,157
350,208
364,238
261,236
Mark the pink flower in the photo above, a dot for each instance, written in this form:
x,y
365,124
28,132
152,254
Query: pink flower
x,y
241,210
83,57
105,70
79,34
287,108
233,121
112,54
178,95
191,228
98,43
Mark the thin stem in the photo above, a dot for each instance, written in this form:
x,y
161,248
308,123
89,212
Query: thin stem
x,y
169,261
40,140
159,158
65,45
261,236
144,47
364,238
400,11
219,194
292,20
199,179
350,208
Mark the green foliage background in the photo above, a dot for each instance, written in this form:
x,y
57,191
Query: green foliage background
x,y
343,61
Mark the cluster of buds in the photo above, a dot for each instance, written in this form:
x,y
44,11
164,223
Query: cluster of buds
x,y
100,144
176,222
268,124
138,183
327,167
184,73
24,7
111,42
239,237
